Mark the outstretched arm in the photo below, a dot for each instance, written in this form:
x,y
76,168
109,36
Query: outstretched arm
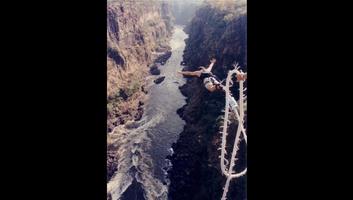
x,y
209,68
189,73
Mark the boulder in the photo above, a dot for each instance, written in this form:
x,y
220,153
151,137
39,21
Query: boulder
x,y
159,80
154,70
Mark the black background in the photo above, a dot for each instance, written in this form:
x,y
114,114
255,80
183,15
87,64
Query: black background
x,y
53,145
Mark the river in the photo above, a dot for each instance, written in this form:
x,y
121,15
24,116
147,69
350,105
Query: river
x,y
144,145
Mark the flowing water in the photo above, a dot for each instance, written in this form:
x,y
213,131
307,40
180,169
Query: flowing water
x,y
144,145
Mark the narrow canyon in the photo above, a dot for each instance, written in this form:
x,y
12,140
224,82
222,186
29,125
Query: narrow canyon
x,y
162,127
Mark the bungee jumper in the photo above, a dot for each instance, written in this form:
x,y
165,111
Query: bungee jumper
x,y
210,81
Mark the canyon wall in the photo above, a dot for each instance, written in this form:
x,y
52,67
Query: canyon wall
x,y
217,30
137,32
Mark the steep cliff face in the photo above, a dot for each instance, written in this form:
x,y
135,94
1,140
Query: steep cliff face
x,y
137,31
217,30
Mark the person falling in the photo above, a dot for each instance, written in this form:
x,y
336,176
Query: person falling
x,y
209,79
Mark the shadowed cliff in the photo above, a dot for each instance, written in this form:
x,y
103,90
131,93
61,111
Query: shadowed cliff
x,y
217,30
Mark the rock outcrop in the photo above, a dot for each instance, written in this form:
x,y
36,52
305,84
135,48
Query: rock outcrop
x,y
154,70
217,30
137,33
159,80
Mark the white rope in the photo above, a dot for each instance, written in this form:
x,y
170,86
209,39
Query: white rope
x,y
231,103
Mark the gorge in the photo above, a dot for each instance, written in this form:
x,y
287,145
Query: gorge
x,y
163,138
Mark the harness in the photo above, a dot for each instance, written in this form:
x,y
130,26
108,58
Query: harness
x,y
209,78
